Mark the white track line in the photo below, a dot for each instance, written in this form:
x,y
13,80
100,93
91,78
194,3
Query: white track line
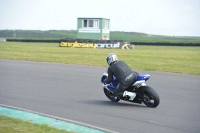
x,y
155,122
59,118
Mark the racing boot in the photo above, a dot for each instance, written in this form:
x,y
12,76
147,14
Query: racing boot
x,y
131,95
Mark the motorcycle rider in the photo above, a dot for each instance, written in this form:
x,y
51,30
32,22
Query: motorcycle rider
x,y
124,75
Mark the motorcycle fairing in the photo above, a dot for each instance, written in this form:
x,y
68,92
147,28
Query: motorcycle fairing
x,y
140,79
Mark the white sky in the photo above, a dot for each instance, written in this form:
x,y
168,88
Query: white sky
x,y
160,17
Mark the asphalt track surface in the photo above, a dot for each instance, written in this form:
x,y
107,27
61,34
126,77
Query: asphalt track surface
x,y
74,92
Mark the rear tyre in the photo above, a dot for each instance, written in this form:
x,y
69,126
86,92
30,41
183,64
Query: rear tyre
x,y
110,96
151,98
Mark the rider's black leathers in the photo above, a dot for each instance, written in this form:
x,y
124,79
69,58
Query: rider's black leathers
x,y
124,75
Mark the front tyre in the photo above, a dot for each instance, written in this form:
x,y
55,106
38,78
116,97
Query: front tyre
x,y
151,98
110,96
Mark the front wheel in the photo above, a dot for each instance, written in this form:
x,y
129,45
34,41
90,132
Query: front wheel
x,y
110,96
150,97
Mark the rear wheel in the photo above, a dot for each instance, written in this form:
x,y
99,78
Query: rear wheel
x,y
110,96
150,97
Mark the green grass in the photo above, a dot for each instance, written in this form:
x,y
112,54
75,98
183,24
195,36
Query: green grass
x,y
152,58
114,35
141,37
12,125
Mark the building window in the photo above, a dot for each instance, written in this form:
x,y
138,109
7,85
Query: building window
x,y
84,23
106,24
91,23
96,23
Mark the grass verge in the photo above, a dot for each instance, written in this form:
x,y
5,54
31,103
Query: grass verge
x,y
153,58
12,125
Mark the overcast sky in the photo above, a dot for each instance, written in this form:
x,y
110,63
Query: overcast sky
x,y
159,17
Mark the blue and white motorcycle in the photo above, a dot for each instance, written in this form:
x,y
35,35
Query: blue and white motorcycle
x,y
144,93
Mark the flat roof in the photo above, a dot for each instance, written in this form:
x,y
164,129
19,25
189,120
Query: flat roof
x,y
92,18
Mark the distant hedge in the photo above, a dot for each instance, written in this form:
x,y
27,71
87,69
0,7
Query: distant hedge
x,y
165,44
102,41
32,40
65,40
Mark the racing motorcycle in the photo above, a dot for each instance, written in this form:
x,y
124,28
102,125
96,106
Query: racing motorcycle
x,y
144,94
